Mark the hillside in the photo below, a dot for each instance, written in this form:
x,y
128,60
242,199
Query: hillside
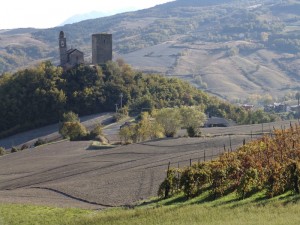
x,y
72,174
227,47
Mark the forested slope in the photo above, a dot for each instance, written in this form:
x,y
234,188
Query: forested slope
x,y
40,95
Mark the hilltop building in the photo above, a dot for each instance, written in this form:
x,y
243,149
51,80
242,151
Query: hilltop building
x,y
101,51
68,57
101,48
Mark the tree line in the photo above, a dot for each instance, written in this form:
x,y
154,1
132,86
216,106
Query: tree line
x,y
40,95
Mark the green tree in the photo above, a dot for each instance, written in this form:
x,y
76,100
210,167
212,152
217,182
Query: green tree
x,y
73,131
127,134
96,132
170,119
147,128
192,119
70,117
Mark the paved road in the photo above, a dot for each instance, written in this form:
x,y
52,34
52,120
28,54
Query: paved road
x,y
50,133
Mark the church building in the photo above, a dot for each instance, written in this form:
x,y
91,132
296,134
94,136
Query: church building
x,y
68,57
101,51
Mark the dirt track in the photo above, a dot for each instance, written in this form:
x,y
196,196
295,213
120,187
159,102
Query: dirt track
x,y
67,174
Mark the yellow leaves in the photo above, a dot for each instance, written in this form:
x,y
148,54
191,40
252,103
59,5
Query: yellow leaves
x,y
269,163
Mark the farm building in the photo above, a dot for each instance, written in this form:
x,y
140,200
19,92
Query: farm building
x,y
219,122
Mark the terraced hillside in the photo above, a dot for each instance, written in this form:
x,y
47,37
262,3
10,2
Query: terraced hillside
x,y
229,48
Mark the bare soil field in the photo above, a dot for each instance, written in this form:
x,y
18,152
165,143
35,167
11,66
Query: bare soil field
x,y
68,174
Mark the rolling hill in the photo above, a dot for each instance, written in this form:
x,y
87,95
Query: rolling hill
x,y
229,48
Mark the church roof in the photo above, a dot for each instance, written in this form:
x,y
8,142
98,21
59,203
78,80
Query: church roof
x,y
70,51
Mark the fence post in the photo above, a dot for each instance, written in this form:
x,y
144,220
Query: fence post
x,y
169,164
167,189
204,155
178,177
230,143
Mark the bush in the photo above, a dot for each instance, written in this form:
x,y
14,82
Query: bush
x,y
98,130
14,149
2,151
70,117
74,131
194,179
170,185
118,116
39,142
24,146
127,133
145,129
193,131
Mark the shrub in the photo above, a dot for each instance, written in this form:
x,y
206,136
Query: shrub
x,y
248,183
14,149
145,129
24,146
2,151
293,175
73,130
194,179
118,116
127,133
170,185
39,142
97,131
70,117
193,131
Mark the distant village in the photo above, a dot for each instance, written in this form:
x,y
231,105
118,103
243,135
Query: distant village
x,y
275,107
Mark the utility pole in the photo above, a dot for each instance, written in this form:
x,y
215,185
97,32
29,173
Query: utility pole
x,y
298,98
116,107
121,96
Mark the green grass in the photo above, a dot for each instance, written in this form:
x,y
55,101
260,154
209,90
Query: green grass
x,y
16,214
228,210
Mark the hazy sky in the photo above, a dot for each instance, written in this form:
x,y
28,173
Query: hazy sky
x,y
44,14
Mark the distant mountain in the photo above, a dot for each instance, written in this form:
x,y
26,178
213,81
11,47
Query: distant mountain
x,y
230,48
86,16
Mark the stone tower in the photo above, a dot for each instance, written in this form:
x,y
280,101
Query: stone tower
x,y
101,48
63,49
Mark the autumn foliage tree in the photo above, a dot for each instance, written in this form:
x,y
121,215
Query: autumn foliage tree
x,y
270,164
